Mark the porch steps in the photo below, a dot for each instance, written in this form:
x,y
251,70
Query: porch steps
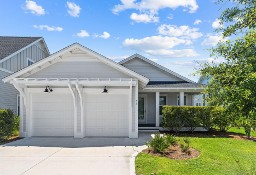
x,y
149,129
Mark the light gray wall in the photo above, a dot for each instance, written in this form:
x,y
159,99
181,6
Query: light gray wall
x,y
8,94
149,71
35,52
79,69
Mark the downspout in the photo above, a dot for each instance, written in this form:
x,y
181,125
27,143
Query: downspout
x,y
82,108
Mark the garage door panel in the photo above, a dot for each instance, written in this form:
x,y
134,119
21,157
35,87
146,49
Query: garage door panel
x,y
52,115
106,115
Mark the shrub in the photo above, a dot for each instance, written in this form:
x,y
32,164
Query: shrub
x,y
160,143
185,146
7,123
221,119
176,117
171,140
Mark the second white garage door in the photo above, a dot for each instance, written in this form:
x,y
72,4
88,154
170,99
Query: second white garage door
x,y
106,114
52,114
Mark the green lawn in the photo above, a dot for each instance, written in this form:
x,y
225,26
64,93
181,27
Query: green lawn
x,y
223,156
240,131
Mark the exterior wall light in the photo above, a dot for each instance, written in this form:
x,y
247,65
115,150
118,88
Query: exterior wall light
x,y
105,90
48,89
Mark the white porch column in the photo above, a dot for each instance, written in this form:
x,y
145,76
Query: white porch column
x,y
157,109
181,98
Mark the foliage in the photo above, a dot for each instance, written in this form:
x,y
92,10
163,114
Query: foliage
x,y
218,156
233,81
7,123
171,139
221,119
159,143
16,125
185,146
176,117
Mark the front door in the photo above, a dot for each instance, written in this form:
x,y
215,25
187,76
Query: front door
x,y
142,109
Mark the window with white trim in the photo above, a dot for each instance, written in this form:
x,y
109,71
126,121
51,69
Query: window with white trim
x,y
30,62
185,100
162,102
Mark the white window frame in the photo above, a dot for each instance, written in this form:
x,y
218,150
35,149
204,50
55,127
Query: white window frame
x,y
166,96
185,101
28,59
145,96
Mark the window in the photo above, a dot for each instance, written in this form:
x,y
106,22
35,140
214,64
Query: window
x,y
18,104
30,62
185,100
162,102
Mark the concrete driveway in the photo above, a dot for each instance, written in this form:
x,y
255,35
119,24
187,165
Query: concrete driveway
x,y
55,155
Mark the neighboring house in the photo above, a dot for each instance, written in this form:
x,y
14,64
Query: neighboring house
x,y
199,100
78,92
17,53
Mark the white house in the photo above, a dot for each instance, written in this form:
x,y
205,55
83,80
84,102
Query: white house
x,y
78,92
17,53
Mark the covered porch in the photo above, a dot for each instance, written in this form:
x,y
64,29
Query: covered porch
x,y
152,99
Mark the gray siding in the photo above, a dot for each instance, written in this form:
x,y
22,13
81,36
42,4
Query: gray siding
x,y
35,52
79,69
149,71
8,94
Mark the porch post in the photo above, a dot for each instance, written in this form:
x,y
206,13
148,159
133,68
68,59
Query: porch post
x,y
157,109
181,98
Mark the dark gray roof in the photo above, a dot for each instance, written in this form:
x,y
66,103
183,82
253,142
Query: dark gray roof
x,y
10,45
173,84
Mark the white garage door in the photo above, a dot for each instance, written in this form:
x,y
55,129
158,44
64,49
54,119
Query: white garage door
x,y
107,114
52,114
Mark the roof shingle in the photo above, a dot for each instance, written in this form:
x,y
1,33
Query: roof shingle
x,y
10,45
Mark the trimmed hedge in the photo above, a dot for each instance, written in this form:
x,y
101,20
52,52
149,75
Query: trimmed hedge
x,y
8,123
176,117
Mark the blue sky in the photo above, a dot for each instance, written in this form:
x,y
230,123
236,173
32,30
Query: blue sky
x,y
174,33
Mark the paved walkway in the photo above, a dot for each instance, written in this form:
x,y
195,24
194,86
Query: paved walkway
x,y
55,155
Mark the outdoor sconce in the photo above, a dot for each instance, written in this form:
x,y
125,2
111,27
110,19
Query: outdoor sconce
x,y
105,90
48,89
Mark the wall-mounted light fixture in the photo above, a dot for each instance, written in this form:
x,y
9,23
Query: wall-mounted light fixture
x,y
105,90
48,89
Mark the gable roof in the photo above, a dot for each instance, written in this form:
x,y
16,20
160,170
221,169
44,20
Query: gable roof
x,y
10,45
69,49
156,65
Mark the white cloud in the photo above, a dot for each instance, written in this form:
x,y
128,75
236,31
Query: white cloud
x,y
170,16
83,34
160,46
154,42
144,18
171,53
34,8
105,35
73,9
179,31
153,5
216,24
198,21
198,62
212,40
48,28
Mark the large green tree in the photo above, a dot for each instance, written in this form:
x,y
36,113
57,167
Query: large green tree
x,y
233,82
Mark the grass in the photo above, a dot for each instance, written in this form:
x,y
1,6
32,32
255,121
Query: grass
x,y
223,156
240,131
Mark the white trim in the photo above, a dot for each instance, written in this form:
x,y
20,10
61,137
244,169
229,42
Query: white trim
x,y
145,96
58,55
5,70
28,59
75,109
157,108
156,65
185,95
82,109
24,48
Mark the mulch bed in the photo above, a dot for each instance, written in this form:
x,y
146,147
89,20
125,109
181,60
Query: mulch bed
x,y
175,152
11,139
212,134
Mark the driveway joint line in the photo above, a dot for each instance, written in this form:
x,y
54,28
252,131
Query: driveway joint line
x,y
42,161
